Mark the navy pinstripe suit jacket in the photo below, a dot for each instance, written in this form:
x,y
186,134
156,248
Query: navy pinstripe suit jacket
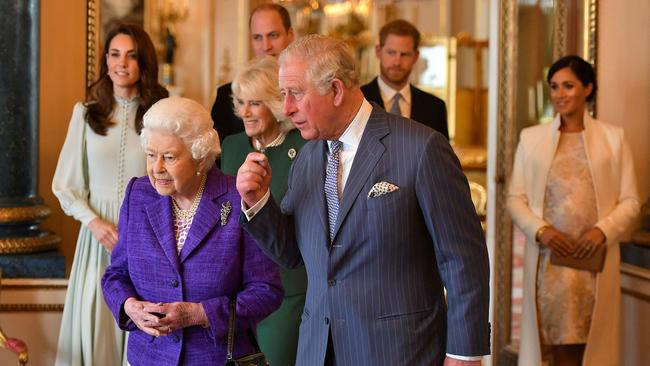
x,y
378,286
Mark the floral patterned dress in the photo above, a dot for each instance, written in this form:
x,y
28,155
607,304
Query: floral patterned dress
x,y
565,296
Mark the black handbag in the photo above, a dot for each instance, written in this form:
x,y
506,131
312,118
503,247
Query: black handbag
x,y
256,359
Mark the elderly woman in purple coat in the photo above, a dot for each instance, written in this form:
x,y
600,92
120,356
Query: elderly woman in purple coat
x,y
181,255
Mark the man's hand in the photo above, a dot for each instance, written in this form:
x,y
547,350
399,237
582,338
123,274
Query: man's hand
x,y
588,243
450,361
557,242
104,232
178,315
254,178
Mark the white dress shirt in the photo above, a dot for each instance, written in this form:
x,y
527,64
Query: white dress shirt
x,y
387,94
350,138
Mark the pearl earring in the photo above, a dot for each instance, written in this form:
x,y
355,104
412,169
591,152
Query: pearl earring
x,y
198,173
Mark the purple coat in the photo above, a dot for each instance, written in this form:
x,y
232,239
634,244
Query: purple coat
x,y
218,262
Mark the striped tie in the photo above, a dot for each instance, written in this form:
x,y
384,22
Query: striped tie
x,y
394,108
331,185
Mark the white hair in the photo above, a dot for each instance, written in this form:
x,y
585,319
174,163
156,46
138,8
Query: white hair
x,y
187,120
259,81
327,58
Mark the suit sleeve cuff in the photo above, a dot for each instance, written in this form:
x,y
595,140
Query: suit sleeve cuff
x,y
251,212
465,358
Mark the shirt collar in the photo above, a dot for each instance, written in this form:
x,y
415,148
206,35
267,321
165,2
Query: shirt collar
x,y
351,137
387,93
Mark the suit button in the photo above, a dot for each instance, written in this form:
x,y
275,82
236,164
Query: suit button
x,y
331,283
327,320
175,338
174,283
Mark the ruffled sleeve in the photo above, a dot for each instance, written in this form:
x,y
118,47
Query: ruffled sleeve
x,y
70,182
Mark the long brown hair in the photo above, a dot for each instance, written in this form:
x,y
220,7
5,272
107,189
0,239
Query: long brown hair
x,y
100,101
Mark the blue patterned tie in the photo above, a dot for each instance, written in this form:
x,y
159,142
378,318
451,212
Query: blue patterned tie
x,y
394,108
331,185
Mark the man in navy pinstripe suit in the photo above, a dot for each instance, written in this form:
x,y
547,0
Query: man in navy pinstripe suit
x,y
405,225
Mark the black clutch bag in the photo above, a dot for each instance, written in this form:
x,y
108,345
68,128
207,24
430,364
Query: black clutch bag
x,y
256,359
594,263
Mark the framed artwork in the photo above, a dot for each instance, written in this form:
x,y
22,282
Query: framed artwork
x,y
114,12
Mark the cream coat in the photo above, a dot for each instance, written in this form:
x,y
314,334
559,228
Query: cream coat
x,y
612,170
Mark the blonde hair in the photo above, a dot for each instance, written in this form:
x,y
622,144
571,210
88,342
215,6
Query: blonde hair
x,y
187,120
327,58
259,81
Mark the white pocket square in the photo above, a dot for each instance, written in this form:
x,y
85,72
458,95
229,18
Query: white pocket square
x,y
382,188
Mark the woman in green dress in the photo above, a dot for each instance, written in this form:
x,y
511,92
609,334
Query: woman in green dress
x,y
257,101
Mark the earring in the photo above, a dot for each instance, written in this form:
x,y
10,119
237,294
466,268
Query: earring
x,y
198,173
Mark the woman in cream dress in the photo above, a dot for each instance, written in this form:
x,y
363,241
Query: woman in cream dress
x,y
573,188
101,153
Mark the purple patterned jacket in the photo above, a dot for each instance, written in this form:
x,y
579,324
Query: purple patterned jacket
x,y
219,261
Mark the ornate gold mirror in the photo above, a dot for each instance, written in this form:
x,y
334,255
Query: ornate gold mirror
x,y
531,35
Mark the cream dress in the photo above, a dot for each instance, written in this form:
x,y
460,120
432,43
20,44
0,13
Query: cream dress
x,y
89,182
565,296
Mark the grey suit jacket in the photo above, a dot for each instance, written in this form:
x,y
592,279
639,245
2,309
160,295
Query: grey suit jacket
x,y
378,286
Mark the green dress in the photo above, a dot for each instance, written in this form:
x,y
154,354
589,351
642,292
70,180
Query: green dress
x,y
277,334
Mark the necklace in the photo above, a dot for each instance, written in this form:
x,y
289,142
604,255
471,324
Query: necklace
x,y
276,142
188,215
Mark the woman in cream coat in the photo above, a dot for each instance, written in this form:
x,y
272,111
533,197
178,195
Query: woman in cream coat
x,y
611,170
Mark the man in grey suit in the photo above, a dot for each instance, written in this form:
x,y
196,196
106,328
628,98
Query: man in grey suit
x,y
379,212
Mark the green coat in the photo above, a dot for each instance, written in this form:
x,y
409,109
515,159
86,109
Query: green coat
x,y
278,333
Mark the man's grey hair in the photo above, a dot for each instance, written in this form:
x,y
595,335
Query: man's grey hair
x,y
327,58
187,120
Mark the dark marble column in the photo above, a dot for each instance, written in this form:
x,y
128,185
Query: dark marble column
x,y
21,210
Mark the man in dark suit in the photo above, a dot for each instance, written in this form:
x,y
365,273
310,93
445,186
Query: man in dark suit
x,y
271,32
397,53
379,212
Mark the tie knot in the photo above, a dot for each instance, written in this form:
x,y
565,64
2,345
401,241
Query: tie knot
x,y
396,97
335,147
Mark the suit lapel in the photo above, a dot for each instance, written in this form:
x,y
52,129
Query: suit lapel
x,y
368,154
376,94
160,217
596,152
416,104
207,214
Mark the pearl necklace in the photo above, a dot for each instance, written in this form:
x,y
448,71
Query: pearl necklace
x,y
187,215
276,142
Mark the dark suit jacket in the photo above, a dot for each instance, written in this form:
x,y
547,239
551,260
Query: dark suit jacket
x,y
378,287
225,121
218,262
425,108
